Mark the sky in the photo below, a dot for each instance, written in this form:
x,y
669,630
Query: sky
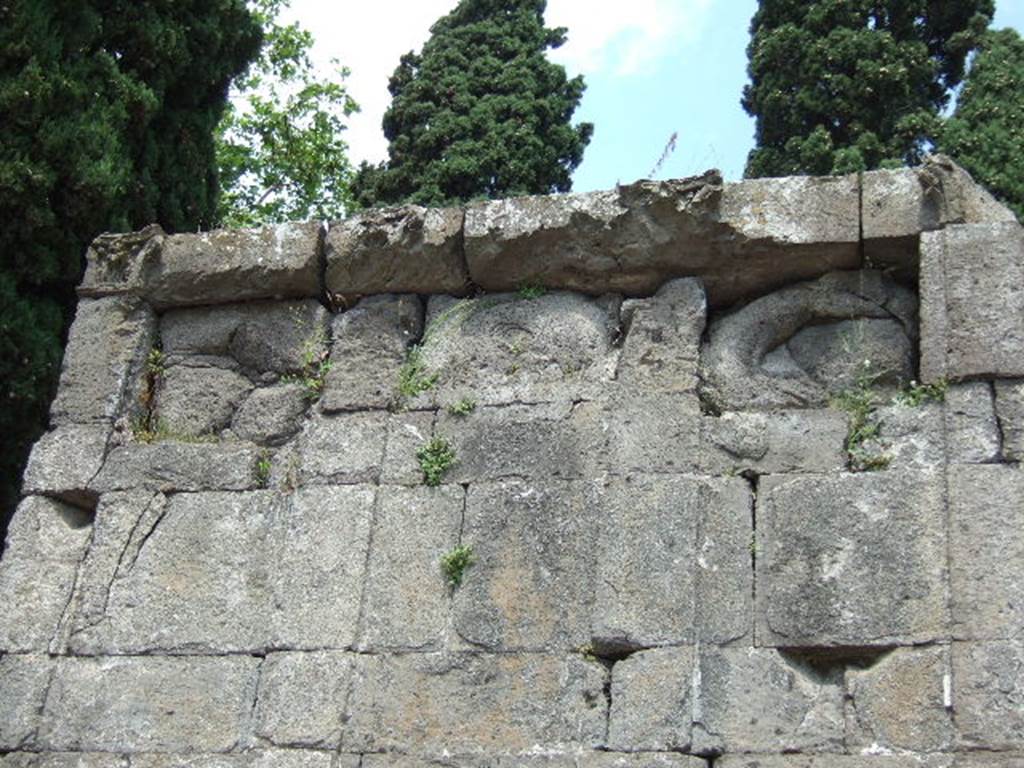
x,y
653,68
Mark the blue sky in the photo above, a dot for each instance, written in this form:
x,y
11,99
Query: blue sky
x,y
652,68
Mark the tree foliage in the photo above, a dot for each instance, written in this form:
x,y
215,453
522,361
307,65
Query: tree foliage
x,y
986,132
279,146
107,113
844,85
480,111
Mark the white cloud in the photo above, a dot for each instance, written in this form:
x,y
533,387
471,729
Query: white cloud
x,y
369,38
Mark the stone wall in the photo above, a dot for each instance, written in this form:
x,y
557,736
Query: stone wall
x,y
736,467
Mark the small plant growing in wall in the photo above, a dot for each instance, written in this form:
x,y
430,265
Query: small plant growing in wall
x,y
530,291
435,458
860,403
455,563
918,394
262,469
413,378
463,407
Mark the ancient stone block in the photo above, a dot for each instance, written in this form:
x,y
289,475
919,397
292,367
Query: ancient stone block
x,y
371,342
1010,407
639,760
851,560
117,263
972,429
342,449
64,463
409,249
302,697
408,431
224,266
902,702
103,361
170,466
674,562
253,758
986,552
24,681
661,345
841,761
652,701
800,345
573,759
226,572
198,401
271,415
533,582
156,704
742,239
972,308
988,686
454,704
63,760
406,599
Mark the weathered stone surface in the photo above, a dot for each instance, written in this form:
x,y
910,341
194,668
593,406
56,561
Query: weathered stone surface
x,y
777,442
103,361
252,758
170,466
742,239
972,307
226,266
284,338
198,401
271,415
342,448
673,563
410,249
661,345
148,704
302,697
505,349
370,344
406,598
454,704
902,702
573,759
408,431
64,463
46,541
117,263
24,681
768,355
1010,408
652,702
906,760
63,760
639,760
973,432
899,205
988,687
223,572
987,552
533,582
851,560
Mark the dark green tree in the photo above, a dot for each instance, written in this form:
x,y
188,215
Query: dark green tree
x,y
107,115
480,112
844,85
986,132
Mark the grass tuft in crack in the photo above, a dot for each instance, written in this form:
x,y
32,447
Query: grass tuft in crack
x,y
455,563
435,459
860,403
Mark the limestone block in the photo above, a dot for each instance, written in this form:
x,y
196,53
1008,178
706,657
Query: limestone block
x,y
62,760
271,415
1010,407
223,266
846,761
24,681
661,345
410,249
148,704
198,401
972,304
64,463
851,560
898,205
370,345
742,239
674,563
798,346
170,466
226,573
988,687
987,552
406,598
505,349
117,263
407,432
103,361
254,758
533,582
345,448
652,702
757,700
972,429
302,696
900,702
46,541
470,703
778,442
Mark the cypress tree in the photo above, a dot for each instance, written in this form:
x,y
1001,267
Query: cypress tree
x,y
844,85
480,112
986,132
